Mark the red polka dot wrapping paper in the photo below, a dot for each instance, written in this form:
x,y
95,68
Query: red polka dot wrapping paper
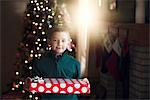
x,y
60,86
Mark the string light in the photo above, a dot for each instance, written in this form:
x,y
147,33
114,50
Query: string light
x,y
38,39
28,15
35,1
30,96
37,15
27,45
26,61
41,24
17,86
37,4
34,32
31,55
59,16
33,22
17,73
36,98
36,42
40,45
41,3
13,89
38,48
41,6
46,8
43,32
46,1
49,10
20,82
40,27
39,55
36,55
31,51
31,1
50,26
43,20
23,91
34,9
36,24
43,9
38,8
30,67
44,39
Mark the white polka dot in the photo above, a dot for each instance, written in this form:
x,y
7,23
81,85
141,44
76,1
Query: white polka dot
x,y
77,92
41,89
84,89
69,89
48,85
48,91
63,92
33,85
77,86
62,85
55,89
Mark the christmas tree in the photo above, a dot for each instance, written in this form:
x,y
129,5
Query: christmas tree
x,y
40,15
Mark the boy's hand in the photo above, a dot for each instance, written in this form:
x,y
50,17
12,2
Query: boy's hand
x,y
85,80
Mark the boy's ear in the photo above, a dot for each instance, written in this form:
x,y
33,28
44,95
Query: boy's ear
x,y
69,45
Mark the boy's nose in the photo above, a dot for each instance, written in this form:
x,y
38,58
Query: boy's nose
x,y
59,42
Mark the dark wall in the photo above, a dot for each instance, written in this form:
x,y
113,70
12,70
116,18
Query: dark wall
x,y
11,28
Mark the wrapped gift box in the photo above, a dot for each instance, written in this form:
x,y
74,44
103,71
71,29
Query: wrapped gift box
x,y
59,85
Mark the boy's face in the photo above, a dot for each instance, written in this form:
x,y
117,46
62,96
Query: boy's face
x,y
59,42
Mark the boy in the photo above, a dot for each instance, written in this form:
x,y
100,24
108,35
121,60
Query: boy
x,y
57,63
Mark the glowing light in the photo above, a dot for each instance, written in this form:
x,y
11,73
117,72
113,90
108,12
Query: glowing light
x,y
43,33
20,82
46,8
31,55
34,32
41,24
41,6
41,3
40,27
30,67
40,45
50,26
49,10
36,24
43,9
28,15
36,55
31,1
37,15
26,61
31,51
39,55
17,73
36,98
12,88
43,20
30,96
37,4
38,39
38,48
44,39
34,9
36,42
23,91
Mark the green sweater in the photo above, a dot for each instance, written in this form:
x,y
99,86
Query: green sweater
x,y
63,66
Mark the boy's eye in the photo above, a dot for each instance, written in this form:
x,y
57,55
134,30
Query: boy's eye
x,y
54,40
63,40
